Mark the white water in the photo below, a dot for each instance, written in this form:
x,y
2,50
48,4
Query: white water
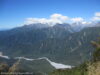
x,y
28,59
3,56
54,64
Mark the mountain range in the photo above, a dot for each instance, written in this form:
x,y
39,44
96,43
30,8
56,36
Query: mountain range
x,y
60,43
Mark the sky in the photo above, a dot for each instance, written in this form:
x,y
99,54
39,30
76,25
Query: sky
x,y
15,13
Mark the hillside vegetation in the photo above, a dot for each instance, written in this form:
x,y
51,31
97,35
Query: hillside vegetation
x,y
56,43
91,67
88,68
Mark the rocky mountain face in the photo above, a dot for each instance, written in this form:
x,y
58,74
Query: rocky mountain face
x,y
59,43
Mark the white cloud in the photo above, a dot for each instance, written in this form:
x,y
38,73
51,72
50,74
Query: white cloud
x,y
96,17
59,18
84,22
35,20
54,18
97,14
77,19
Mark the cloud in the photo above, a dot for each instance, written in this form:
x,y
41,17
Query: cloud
x,y
96,17
85,22
80,22
77,19
59,18
35,20
54,18
97,14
